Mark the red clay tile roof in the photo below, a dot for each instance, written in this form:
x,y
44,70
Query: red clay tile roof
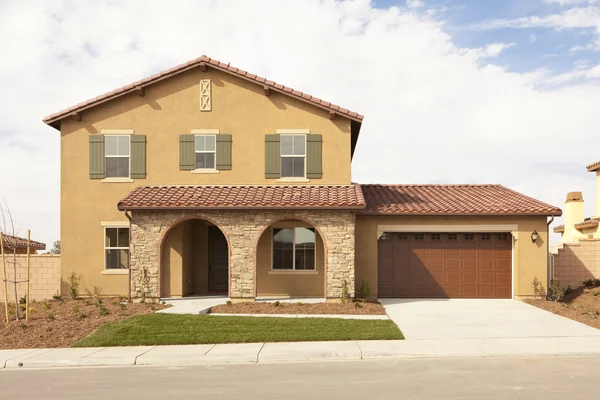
x,y
12,242
587,224
240,197
593,167
210,62
451,200
559,228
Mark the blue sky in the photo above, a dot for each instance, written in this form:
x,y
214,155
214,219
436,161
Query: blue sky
x,y
534,47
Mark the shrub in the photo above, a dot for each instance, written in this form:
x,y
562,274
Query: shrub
x,y
103,310
57,297
51,317
538,288
555,292
364,291
123,306
46,305
357,305
569,290
344,296
299,303
73,282
228,302
276,303
23,300
588,283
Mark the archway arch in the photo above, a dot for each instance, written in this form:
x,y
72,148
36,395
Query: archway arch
x,y
291,259
194,259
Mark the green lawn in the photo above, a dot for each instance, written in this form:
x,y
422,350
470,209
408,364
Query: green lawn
x,y
156,329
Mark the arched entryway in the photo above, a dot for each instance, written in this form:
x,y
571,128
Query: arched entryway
x,y
290,257
194,260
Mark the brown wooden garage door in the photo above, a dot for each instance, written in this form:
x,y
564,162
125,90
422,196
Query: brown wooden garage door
x,y
456,265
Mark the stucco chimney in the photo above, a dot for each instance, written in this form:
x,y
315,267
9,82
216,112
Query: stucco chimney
x,y
574,213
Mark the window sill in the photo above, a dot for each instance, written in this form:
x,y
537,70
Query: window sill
x,y
115,272
117,180
293,272
292,180
205,171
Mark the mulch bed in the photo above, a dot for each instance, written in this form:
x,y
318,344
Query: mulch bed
x,y
582,305
60,323
363,308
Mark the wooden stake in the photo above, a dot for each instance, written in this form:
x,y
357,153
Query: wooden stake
x,y
4,277
27,276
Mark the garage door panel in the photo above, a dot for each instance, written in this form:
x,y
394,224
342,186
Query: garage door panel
x,y
445,265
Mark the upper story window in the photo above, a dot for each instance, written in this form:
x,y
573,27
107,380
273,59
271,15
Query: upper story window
x,y
117,156
293,156
205,151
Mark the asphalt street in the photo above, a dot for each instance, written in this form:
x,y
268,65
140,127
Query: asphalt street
x,y
428,379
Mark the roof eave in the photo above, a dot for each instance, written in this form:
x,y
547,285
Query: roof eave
x,y
166,208
474,214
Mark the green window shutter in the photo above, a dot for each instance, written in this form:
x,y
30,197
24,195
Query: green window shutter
x,y
314,156
138,156
272,157
187,153
223,152
96,157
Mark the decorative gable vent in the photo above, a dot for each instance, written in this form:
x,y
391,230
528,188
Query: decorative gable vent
x,y
205,100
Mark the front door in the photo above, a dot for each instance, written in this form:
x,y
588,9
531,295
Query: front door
x,y
218,261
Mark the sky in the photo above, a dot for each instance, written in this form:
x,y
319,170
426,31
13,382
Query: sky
x,y
453,91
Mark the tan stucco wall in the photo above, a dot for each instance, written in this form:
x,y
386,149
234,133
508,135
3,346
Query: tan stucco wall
x,y
44,275
168,109
287,284
529,259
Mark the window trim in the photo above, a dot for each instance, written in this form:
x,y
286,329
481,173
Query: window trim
x,y
118,178
205,170
293,270
281,156
110,225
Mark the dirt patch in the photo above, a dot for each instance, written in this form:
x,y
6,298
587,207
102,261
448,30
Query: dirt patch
x,y
60,323
582,305
352,308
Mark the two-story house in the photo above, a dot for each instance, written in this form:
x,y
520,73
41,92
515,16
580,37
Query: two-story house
x,y
209,179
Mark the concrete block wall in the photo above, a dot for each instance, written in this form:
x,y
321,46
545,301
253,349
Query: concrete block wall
x,y
44,276
577,262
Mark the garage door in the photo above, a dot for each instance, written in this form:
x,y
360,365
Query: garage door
x,y
456,265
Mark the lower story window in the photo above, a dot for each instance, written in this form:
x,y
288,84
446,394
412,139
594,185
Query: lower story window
x,y
116,248
294,248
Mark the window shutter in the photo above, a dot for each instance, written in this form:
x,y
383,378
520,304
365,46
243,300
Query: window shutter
x,y
223,152
272,157
96,157
314,156
138,156
187,153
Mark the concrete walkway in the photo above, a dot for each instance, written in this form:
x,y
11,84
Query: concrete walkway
x,y
299,351
443,319
192,305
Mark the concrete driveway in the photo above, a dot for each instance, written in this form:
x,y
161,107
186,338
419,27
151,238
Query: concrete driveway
x,y
478,319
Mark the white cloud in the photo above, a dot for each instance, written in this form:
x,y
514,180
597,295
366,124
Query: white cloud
x,y
571,2
434,112
414,4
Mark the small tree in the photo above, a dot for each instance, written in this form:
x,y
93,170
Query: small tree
x,y
55,247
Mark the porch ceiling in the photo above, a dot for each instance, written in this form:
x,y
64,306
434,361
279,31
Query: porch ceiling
x,y
348,197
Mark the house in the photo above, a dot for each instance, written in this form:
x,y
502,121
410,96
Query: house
x,y
577,257
209,179
18,245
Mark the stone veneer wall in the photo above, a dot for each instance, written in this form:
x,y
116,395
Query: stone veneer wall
x,y
577,262
242,230
44,276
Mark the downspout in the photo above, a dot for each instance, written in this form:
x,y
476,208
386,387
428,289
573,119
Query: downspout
x,y
550,266
129,255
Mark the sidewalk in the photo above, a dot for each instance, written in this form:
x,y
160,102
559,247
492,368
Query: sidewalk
x,y
299,351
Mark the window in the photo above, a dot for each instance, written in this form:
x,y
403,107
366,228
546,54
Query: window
x,y
452,236
436,236
116,153
294,249
486,236
116,248
205,151
419,236
469,236
293,156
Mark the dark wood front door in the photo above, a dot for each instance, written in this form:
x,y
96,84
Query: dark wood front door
x,y
450,265
218,261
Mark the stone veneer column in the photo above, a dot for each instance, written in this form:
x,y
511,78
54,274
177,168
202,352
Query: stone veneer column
x,y
242,230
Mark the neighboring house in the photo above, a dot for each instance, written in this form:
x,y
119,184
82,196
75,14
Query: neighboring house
x,y
208,179
18,245
577,257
